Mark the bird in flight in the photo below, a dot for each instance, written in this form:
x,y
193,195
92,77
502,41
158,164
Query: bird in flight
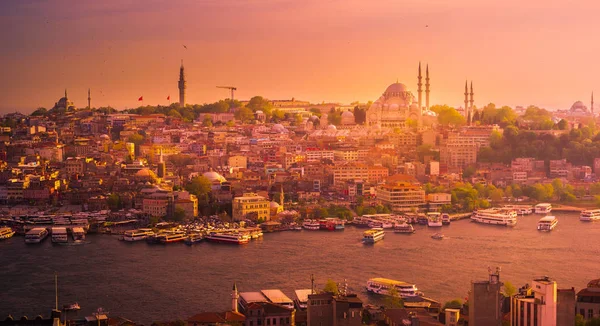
x,y
185,46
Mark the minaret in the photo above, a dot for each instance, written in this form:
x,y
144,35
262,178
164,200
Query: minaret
x,y
182,86
467,110
471,100
89,99
65,93
419,89
427,87
281,197
234,298
592,107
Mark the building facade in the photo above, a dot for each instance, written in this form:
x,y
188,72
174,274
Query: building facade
x,y
251,205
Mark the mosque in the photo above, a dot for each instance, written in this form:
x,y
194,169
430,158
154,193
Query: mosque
x,y
64,103
398,104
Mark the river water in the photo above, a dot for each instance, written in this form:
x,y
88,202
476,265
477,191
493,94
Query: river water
x,y
148,283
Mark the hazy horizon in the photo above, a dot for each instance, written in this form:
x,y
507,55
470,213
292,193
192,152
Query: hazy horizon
x,y
516,53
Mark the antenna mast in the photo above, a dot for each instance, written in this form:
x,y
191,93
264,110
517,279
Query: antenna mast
x,y
55,291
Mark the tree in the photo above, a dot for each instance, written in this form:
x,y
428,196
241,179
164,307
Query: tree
x,y
199,186
331,287
137,139
39,112
393,299
468,172
496,195
453,304
113,201
259,103
244,114
562,124
207,121
334,118
509,289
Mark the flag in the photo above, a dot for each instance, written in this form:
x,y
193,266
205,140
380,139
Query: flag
x,y
141,98
169,98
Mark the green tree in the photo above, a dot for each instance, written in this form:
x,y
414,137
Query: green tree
x,y
468,172
496,195
199,186
259,103
331,287
244,114
137,139
509,289
39,112
207,121
230,123
562,124
393,299
278,115
334,118
453,304
113,201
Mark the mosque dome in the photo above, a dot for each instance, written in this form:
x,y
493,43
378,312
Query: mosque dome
x,y
213,176
279,128
144,173
579,107
347,118
331,127
396,88
105,137
274,204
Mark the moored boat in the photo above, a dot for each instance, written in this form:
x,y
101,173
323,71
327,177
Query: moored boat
x,y
547,223
78,234
59,235
234,238
383,286
543,208
311,225
72,307
590,215
174,237
446,219
404,228
495,216
137,235
438,236
373,235
6,232
434,219
193,238
36,235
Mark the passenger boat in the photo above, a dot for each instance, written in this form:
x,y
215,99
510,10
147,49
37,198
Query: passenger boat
x,y
547,223
495,216
137,235
194,238
404,228
6,233
521,209
36,235
434,219
445,219
72,307
235,238
174,237
422,219
543,208
311,225
590,215
373,235
339,225
78,234
256,233
59,235
438,236
327,224
383,286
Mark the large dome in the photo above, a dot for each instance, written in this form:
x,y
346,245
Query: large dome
x,y
396,88
578,106
214,176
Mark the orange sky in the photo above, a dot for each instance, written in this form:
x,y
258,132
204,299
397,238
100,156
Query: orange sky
x,y
517,52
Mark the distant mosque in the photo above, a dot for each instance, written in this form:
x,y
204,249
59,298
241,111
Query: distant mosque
x,y
398,104
64,103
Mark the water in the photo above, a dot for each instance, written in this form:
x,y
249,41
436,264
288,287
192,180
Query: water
x,y
149,283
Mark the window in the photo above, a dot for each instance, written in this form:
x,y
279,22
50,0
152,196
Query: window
x,y
268,321
274,321
590,313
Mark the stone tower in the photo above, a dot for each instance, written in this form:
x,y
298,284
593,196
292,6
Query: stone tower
x,y
419,89
182,86
427,87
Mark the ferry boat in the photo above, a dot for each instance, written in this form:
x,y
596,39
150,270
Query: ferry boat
x,y
521,209
495,216
137,235
434,219
422,219
193,238
174,237
404,228
373,235
78,234
438,236
6,233
547,223
590,215
383,285
543,208
445,219
236,238
59,235
311,225
36,235
340,225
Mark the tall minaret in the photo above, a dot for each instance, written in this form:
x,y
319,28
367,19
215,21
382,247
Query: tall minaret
x,y
467,110
234,298
471,99
592,108
419,89
281,197
182,86
89,99
427,87
65,93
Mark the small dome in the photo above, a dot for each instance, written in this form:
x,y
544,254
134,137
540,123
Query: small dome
x,y
213,176
313,118
105,136
143,173
347,114
259,112
274,204
331,127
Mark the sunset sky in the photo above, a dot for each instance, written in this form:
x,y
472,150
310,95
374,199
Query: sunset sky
x,y
540,52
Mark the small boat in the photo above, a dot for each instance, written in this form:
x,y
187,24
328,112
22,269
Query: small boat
x,y
445,219
6,233
311,225
590,215
194,238
434,219
373,235
547,223
78,234
438,236
72,307
404,228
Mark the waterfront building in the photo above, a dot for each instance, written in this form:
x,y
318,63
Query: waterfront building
x,y
588,300
251,205
535,304
437,200
410,317
401,193
359,171
458,152
328,309
267,313
485,301
565,308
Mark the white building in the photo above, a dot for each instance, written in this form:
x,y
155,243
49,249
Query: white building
x,y
535,305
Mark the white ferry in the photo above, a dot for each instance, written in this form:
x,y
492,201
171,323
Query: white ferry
x,y
543,208
279,298
434,219
590,215
521,209
373,235
36,235
383,285
495,216
311,225
78,234
173,237
404,228
59,235
236,238
547,223
446,219
6,233
137,235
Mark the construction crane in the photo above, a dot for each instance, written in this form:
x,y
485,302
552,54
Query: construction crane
x,y
233,89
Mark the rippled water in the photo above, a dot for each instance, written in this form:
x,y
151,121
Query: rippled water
x,y
148,283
